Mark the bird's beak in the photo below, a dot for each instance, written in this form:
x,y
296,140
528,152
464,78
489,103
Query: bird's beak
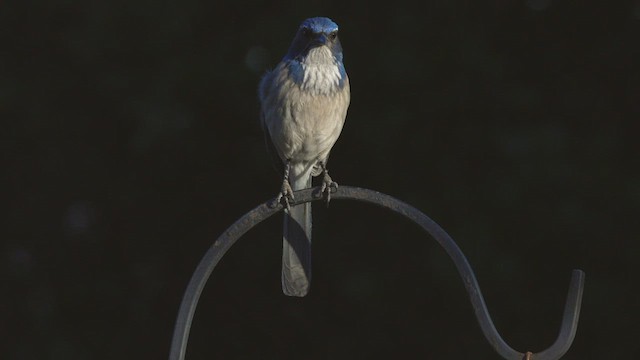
x,y
320,39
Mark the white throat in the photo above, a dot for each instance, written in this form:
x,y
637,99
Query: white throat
x,y
321,74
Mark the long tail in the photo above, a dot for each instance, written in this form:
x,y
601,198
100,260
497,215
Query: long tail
x,y
296,242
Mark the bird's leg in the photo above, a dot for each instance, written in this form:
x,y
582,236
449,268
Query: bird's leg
x,y
286,192
327,183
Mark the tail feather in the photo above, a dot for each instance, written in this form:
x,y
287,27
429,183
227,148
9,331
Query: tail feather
x,y
296,243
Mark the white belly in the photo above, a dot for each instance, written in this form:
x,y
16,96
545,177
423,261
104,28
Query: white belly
x,y
311,127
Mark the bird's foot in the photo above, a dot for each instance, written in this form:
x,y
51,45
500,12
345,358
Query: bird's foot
x,y
285,197
328,186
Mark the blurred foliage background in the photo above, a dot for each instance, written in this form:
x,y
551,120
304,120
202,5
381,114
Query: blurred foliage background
x,y
131,141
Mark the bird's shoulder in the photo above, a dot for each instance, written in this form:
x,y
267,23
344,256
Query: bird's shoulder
x,y
273,80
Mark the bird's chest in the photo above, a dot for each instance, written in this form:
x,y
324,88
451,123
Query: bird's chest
x,y
306,108
311,123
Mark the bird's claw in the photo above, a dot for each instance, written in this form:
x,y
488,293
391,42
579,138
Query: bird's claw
x,y
328,186
286,195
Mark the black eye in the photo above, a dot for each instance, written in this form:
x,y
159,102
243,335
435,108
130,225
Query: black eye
x,y
333,35
306,31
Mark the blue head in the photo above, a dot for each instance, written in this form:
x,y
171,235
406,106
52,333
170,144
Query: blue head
x,y
315,32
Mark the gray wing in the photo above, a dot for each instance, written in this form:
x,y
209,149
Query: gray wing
x,y
263,94
278,166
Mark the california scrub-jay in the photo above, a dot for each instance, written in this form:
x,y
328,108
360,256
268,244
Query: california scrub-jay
x,y
304,103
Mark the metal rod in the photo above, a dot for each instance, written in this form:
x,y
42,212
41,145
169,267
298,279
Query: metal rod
x,y
269,208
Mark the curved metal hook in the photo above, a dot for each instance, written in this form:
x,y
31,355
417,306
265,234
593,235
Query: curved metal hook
x,y
264,211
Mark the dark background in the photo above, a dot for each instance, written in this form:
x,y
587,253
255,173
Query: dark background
x,y
130,141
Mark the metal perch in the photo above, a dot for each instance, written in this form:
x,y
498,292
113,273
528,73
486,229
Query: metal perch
x,y
262,212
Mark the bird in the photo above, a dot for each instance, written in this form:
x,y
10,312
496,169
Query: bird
x,y
303,107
